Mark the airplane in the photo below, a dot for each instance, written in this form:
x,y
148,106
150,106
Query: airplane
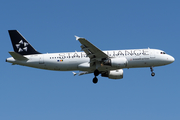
x,y
92,60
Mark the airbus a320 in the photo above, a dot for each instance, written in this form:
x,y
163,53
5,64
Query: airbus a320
x,y
92,60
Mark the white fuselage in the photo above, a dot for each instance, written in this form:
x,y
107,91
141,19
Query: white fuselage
x,y
79,61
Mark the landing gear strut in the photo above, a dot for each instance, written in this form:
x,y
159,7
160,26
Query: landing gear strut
x,y
152,73
96,73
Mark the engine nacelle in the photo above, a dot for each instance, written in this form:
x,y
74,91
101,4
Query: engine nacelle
x,y
113,74
116,62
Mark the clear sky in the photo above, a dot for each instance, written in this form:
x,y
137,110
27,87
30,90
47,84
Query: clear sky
x,y
50,25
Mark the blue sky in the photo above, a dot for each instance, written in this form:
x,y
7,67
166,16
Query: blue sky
x,y
50,26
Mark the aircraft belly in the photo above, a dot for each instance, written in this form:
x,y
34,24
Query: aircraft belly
x,y
64,65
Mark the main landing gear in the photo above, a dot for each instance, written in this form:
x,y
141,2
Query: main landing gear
x,y
152,73
96,73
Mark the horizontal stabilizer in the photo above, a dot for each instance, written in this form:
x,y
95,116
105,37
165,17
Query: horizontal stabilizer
x,y
17,56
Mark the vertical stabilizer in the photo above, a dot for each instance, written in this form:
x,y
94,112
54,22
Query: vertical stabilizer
x,y
20,44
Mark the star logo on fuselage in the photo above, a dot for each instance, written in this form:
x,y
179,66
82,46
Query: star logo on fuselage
x,y
22,46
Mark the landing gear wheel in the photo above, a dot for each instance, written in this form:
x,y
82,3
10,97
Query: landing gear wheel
x,y
153,74
95,80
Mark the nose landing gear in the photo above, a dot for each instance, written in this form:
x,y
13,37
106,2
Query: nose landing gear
x,y
152,73
96,73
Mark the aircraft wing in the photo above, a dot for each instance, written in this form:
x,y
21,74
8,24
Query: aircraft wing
x,y
91,51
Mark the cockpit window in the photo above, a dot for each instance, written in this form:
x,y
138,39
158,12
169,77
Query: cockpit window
x,y
163,53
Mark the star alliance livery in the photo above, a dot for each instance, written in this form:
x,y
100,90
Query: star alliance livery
x,y
93,60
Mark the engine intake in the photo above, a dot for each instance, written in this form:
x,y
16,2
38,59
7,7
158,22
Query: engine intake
x,y
113,74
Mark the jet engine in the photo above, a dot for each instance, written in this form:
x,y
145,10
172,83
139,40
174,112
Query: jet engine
x,y
116,62
113,74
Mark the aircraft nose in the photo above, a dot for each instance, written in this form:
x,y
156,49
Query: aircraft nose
x,y
171,59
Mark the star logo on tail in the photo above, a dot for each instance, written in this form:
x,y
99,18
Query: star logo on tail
x,y
22,46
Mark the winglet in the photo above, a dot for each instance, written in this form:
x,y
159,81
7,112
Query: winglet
x,y
77,38
74,73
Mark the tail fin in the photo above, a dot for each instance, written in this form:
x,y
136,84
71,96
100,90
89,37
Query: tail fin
x,y
20,44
